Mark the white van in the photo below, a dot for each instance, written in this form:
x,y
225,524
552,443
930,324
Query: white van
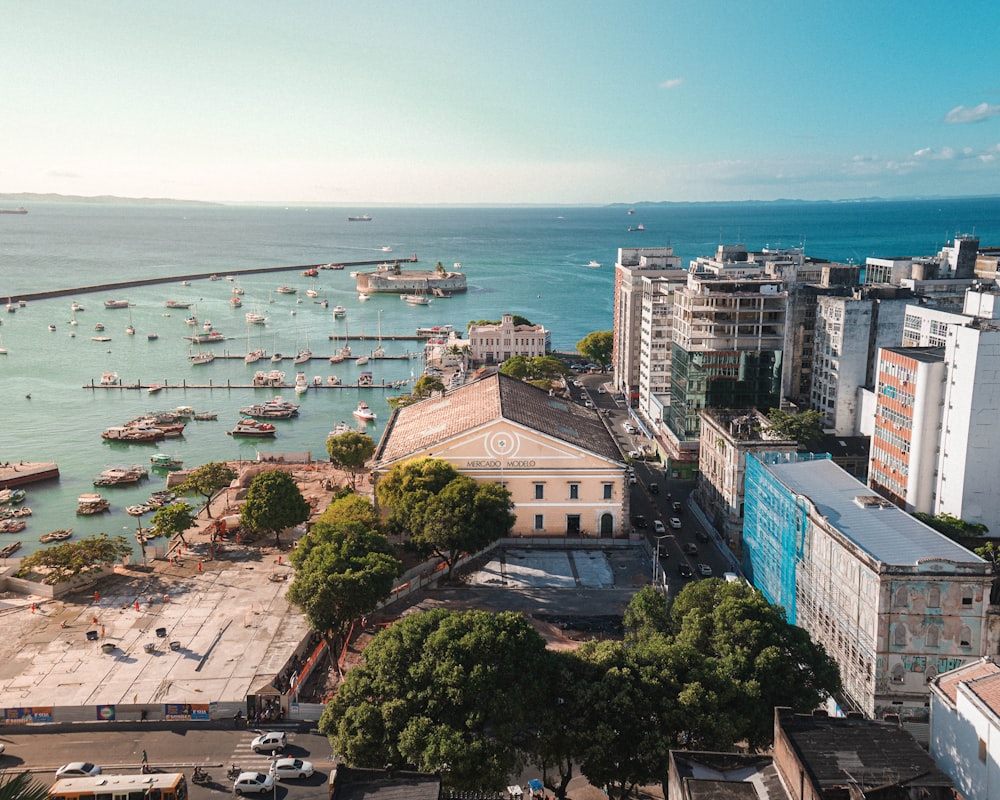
x,y
731,577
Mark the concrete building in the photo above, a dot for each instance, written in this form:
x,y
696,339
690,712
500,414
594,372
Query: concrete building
x,y
495,343
849,333
727,436
909,395
965,728
927,326
893,602
729,328
634,265
655,345
562,466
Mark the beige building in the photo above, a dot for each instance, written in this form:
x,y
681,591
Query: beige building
x,y
562,466
494,344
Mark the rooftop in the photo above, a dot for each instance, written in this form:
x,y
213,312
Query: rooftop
x,y
722,776
983,674
438,419
887,533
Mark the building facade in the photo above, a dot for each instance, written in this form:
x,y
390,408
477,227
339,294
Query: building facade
x,y
893,602
633,266
563,468
495,343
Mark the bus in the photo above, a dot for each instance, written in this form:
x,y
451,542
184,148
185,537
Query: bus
x,y
150,786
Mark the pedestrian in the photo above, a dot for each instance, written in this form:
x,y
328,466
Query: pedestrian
x,y
145,760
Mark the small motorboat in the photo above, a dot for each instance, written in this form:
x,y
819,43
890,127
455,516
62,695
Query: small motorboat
x,y
56,536
363,412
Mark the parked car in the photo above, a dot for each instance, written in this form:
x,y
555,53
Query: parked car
x,y
77,769
253,783
285,768
676,507
270,742
654,488
701,536
658,526
684,570
705,570
690,549
601,390
628,427
640,521
675,523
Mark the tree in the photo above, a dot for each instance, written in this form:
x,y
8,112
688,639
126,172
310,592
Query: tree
x,y
805,426
426,385
350,452
764,661
647,615
208,479
439,268
991,552
351,508
958,530
63,562
173,520
462,517
517,319
440,690
273,503
408,484
596,347
343,570
534,368
21,786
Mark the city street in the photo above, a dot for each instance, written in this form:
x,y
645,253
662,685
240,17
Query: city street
x,y
173,748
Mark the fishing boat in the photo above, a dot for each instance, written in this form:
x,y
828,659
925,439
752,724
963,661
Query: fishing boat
x,y
116,303
286,290
312,272
91,503
339,311
12,496
238,290
138,510
235,301
164,461
206,416
256,319
9,549
363,412
253,428
119,476
99,326
12,525
56,536
360,218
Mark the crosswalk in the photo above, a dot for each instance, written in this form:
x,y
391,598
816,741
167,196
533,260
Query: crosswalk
x,y
247,760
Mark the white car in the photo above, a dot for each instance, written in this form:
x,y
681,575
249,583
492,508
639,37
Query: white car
x,y
285,768
658,526
253,782
270,742
77,769
628,427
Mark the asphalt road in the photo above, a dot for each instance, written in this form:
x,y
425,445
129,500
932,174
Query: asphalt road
x,y
173,748
655,506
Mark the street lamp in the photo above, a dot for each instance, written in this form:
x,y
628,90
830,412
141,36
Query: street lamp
x,y
656,558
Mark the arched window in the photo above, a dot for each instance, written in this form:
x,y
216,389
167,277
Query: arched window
x,y
902,597
965,637
933,635
934,597
898,673
899,635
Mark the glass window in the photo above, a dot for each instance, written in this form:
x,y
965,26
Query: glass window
x,y
539,491
607,491
574,491
539,522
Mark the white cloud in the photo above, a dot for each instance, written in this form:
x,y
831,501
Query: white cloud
x,y
962,114
673,83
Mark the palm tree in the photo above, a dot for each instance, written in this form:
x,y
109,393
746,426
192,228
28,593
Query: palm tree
x,y
21,786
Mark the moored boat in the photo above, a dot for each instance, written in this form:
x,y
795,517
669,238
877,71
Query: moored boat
x,y
164,461
56,536
177,304
133,433
339,311
117,476
301,383
111,303
109,379
206,357
12,496
9,549
286,290
91,503
138,510
253,428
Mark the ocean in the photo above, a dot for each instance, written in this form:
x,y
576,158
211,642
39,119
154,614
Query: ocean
x,y
531,261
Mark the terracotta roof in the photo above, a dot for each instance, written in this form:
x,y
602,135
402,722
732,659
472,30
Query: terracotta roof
x,y
947,682
439,419
987,689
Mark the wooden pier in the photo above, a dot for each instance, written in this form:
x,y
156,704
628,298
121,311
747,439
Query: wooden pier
x,y
185,384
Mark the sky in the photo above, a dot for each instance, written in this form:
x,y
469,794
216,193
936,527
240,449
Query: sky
x,y
515,102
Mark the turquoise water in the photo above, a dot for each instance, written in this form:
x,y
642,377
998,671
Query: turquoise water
x,y
529,261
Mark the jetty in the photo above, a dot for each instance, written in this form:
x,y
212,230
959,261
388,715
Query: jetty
x,y
24,472
193,276
226,385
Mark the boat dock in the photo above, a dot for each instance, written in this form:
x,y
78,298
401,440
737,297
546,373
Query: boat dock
x,y
25,472
196,276
185,384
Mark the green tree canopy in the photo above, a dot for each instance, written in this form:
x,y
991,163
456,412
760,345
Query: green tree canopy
x,y
206,480
441,690
517,319
954,528
63,562
350,452
351,508
533,368
343,571
21,786
173,520
804,426
596,347
408,484
426,385
273,503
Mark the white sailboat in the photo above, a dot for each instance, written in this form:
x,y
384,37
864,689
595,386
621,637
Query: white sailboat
x,y
379,352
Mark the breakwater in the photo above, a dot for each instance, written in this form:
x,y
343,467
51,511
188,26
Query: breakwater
x,y
193,276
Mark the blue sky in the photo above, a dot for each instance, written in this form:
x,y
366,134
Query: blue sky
x,y
522,101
